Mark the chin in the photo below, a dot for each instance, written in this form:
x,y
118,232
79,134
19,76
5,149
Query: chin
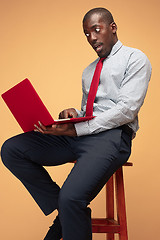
x,y
104,53
101,55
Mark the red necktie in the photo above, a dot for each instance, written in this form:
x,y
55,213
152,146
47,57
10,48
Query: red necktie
x,y
93,88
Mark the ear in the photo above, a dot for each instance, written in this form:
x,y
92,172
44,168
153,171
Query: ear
x,y
113,26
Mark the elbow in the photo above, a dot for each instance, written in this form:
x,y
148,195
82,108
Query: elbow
x,y
129,111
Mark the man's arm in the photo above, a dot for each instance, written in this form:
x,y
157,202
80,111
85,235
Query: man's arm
x,y
131,97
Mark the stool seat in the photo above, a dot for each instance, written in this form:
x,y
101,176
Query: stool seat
x,y
109,225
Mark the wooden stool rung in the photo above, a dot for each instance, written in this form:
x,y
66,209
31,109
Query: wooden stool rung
x,y
103,221
109,225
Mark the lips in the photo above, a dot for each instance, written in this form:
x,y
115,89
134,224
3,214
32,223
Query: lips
x,y
97,47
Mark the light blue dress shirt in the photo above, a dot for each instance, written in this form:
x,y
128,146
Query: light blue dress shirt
x,y
122,88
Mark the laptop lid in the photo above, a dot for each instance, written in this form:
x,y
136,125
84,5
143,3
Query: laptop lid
x,y
27,107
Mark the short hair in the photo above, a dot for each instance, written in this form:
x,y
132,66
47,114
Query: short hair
x,y
106,15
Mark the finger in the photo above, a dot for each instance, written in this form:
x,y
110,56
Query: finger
x,y
50,130
66,114
60,115
42,126
54,126
35,130
38,129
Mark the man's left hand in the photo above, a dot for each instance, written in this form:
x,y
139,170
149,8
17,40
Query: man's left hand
x,y
66,129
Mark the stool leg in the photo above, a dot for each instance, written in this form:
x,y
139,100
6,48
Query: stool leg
x,y
110,204
121,209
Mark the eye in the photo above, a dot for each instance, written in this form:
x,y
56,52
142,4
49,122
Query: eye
x,y
97,30
87,34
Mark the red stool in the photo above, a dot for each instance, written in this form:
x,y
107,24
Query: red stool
x,y
109,225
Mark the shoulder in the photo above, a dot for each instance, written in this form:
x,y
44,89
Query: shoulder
x,y
91,67
134,55
136,62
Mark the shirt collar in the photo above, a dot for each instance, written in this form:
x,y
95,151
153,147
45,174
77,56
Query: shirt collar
x,y
115,48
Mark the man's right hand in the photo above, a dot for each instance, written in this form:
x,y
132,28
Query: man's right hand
x,y
68,113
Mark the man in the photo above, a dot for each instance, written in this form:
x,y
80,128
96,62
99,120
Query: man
x,y
100,145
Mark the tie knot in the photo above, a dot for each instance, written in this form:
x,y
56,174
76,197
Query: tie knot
x,y
102,59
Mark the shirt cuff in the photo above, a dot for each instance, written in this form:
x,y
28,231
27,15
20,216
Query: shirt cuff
x,y
80,113
82,128
88,127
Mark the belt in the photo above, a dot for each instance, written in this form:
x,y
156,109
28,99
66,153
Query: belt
x,y
127,129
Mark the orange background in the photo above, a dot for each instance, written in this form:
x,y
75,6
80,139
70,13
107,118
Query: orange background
x,y
43,40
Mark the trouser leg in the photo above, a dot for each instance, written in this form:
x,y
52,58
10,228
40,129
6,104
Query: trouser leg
x,y
98,157
24,156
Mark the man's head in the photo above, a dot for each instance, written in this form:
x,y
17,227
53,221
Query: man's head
x,y
100,30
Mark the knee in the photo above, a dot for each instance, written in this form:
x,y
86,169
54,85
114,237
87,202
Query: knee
x,y
68,201
6,152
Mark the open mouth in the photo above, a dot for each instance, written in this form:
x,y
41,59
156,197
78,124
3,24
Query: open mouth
x,y
98,47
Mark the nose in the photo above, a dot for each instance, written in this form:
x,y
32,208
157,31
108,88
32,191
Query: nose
x,y
93,38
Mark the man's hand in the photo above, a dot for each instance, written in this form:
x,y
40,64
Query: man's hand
x,y
66,129
68,113
58,130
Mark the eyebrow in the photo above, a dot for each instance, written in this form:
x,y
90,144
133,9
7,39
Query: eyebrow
x,y
94,26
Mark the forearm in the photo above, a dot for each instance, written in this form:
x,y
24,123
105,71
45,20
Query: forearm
x,y
106,120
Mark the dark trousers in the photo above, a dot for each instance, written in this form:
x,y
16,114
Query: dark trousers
x,y
98,157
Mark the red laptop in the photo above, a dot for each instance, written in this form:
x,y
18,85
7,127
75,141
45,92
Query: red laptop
x,y
27,107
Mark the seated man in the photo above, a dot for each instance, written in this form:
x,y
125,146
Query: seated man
x,y
100,145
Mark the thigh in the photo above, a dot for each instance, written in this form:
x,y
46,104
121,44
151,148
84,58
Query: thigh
x,y
43,149
98,157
